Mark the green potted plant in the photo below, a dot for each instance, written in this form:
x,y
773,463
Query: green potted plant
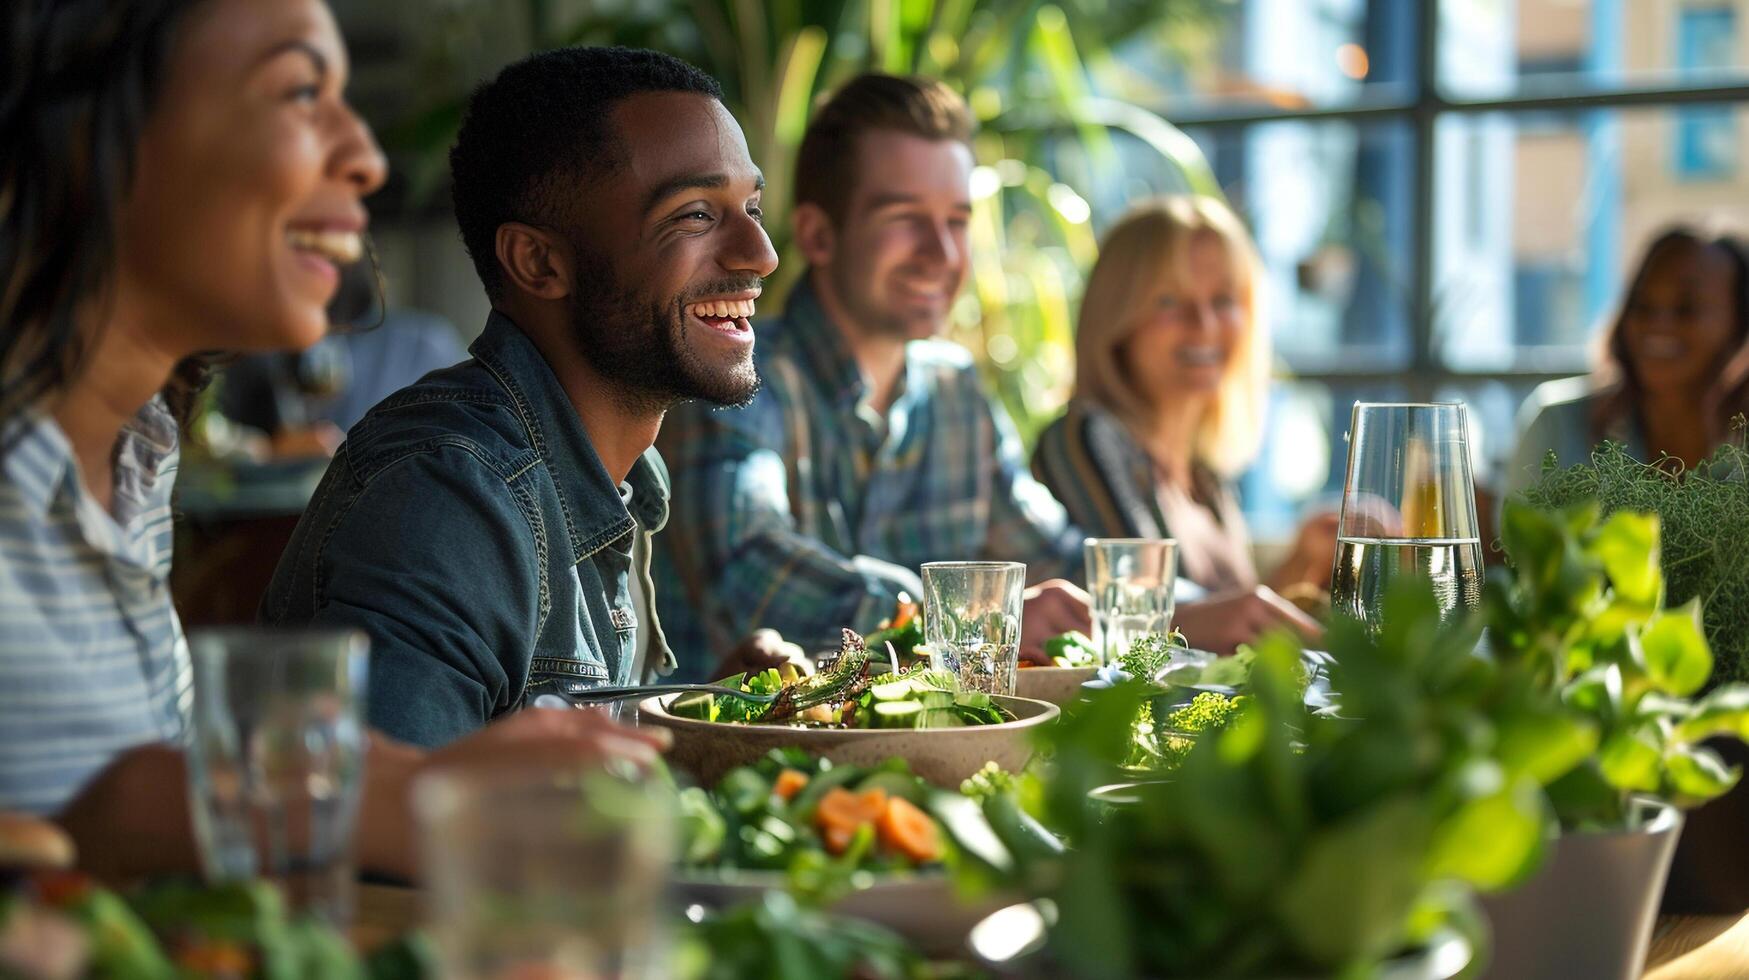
x,y
1579,619
1299,844
1701,509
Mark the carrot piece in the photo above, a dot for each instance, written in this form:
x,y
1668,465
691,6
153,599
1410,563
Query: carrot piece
x,y
837,839
837,811
841,813
789,783
870,804
910,831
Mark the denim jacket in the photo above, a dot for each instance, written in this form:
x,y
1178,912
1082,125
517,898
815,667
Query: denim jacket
x,y
468,526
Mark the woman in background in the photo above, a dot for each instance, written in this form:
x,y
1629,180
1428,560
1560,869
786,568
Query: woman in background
x,y
1172,360
1671,376
176,177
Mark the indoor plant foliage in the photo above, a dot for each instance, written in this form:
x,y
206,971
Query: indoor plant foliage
x,y
1699,510
1582,612
1297,844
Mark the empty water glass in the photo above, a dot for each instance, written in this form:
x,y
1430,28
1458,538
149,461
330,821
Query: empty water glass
x,y
1131,581
276,761
971,620
534,872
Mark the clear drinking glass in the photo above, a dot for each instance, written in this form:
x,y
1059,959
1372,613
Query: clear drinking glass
x,y
276,761
536,872
1408,508
971,620
1131,581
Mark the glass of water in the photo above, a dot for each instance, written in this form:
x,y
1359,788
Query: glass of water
x,y
537,872
1131,581
1408,508
276,761
971,620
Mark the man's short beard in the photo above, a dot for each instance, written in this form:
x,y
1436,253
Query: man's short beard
x,y
638,347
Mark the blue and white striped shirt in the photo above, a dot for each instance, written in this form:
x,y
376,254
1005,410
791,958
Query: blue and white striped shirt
x,y
92,658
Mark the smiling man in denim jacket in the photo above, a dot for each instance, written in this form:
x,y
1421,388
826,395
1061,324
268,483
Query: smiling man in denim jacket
x,y
489,526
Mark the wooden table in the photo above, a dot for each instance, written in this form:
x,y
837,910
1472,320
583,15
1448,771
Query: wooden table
x,y
1699,947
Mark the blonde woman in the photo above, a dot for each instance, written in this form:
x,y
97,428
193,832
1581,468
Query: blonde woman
x,y
1172,367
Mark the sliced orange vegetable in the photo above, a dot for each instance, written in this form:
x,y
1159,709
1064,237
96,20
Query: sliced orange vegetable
x,y
870,804
837,839
789,783
841,812
908,830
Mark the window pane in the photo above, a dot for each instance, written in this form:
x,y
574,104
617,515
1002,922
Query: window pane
x,y
1300,467
1211,55
1540,218
1331,207
1490,48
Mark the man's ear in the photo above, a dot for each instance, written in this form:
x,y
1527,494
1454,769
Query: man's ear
x,y
534,260
815,235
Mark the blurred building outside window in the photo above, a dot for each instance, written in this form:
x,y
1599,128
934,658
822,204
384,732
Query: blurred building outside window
x,y
1450,209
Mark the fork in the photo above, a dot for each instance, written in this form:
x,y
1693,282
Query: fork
x,y
591,695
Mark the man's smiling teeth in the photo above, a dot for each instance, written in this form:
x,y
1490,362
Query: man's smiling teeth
x,y
344,247
722,308
1199,355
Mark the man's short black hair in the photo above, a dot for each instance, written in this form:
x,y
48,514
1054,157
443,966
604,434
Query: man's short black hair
x,y
534,133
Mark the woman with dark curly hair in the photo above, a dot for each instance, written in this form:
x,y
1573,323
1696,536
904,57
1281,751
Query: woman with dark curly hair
x,y
177,177
1671,376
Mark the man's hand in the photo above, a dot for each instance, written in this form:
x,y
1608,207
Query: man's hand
x,y
554,737
1220,623
533,738
1051,607
762,649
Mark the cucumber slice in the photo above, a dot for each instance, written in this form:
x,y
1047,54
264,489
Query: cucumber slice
x,y
892,690
935,699
896,714
940,718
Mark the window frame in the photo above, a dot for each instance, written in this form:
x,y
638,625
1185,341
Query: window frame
x,y
1421,105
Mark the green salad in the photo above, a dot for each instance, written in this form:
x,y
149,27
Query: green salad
x,y
814,820
918,698
1072,649
832,828
900,634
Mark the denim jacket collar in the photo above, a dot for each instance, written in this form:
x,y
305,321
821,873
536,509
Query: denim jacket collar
x,y
595,515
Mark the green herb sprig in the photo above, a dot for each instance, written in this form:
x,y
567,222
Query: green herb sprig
x,y
1704,515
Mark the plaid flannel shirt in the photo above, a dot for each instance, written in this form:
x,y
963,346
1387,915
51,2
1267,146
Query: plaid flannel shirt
x,y
807,511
